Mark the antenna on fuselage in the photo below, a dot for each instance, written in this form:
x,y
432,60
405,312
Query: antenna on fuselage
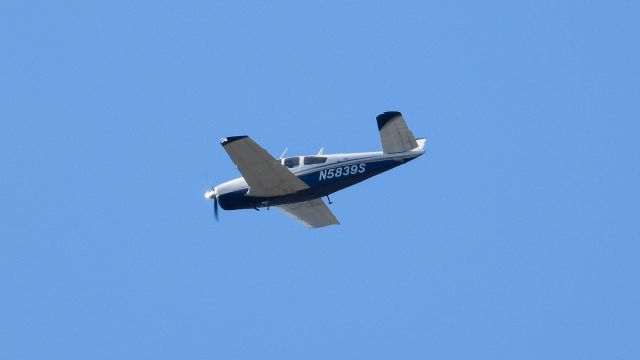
x,y
321,151
283,153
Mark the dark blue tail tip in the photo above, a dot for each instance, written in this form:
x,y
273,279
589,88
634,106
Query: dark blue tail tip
x,y
230,139
385,117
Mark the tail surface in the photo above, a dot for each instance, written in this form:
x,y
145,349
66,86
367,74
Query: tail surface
x,y
395,136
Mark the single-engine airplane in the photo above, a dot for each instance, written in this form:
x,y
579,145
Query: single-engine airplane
x,y
296,185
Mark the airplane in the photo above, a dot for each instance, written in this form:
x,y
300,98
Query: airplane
x,y
296,185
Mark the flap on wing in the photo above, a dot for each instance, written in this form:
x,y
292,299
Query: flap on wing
x,y
264,174
313,213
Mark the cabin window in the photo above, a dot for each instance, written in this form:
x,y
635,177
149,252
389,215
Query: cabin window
x,y
310,160
291,162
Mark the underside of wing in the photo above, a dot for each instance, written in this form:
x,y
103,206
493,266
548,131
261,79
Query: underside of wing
x,y
313,213
264,174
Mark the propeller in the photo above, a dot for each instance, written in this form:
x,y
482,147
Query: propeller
x,y
212,195
215,208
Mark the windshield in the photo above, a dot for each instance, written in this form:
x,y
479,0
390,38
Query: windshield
x,y
291,162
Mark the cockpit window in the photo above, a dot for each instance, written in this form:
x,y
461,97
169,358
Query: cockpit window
x,y
310,160
291,162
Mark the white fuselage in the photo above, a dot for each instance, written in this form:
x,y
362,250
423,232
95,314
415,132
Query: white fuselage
x,y
324,174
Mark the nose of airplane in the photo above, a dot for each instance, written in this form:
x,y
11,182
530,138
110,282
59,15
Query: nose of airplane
x,y
211,194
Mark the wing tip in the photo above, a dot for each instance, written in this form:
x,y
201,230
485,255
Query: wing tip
x,y
384,118
229,139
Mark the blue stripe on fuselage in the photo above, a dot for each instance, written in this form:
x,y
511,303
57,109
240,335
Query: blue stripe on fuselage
x,y
330,176
319,185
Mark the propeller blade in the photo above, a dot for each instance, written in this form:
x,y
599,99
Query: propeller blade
x,y
215,208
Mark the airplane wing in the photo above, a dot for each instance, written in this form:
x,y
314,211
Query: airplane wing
x,y
313,213
264,174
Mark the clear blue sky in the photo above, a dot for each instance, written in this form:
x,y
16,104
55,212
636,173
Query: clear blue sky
x,y
517,236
